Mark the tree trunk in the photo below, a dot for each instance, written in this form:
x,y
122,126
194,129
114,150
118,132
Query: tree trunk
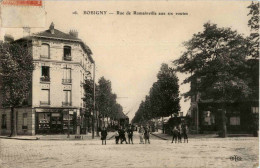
x,y
13,123
223,123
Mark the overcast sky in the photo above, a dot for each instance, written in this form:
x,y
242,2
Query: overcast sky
x,y
129,49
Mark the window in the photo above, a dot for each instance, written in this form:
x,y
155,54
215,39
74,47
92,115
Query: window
x,y
67,98
67,75
209,118
24,121
67,53
45,51
3,121
45,97
234,120
45,74
255,110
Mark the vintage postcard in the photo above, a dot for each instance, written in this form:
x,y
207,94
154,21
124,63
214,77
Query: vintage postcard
x,y
129,84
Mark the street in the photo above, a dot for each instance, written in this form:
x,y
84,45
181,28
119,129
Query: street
x,y
204,152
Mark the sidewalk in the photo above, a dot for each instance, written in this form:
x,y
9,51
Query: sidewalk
x,y
63,137
163,136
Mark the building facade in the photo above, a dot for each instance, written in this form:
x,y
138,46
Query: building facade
x,y
62,62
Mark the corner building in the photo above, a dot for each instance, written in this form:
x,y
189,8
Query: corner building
x,y
62,62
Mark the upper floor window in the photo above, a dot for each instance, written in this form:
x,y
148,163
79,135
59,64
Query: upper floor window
x,y
45,97
45,51
67,53
45,74
67,75
67,98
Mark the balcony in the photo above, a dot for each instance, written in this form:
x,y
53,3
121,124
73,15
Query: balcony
x,y
66,103
66,80
45,79
67,58
45,103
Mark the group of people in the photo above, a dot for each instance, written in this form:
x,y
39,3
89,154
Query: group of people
x,y
178,133
120,135
144,134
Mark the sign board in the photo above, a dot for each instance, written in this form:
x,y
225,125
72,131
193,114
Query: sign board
x,y
70,111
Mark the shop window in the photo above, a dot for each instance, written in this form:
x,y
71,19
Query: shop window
x,y
67,53
67,75
44,121
45,97
3,121
234,120
255,110
67,98
45,74
24,121
45,51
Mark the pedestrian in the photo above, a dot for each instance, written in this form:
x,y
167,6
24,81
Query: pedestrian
x,y
122,135
174,134
147,135
179,134
103,135
141,134
117,136
184,132
130,134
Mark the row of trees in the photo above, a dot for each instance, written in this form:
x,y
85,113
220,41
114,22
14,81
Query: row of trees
x,y
225,62
163,99
105,100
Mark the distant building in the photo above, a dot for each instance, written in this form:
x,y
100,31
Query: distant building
x,y
241,117
62,62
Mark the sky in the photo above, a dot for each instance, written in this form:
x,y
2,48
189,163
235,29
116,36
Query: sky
x,y
129,49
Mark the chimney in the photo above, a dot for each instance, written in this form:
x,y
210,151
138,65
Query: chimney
x,y
74,33
8,38
52,28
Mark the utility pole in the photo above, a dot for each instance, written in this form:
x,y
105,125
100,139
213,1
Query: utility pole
x,y
94,102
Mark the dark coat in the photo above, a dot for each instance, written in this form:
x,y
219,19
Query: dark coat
x,y
103,134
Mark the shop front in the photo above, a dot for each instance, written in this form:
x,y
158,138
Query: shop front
x,y
55,121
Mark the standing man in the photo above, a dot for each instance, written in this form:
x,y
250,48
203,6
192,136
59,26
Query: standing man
x,y
174,134
104,135
130,134
147,134
122,135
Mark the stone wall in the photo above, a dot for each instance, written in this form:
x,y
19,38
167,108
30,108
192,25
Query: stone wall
x,y
30,130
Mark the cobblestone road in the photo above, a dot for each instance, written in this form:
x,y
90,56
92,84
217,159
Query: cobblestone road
x,y
205,152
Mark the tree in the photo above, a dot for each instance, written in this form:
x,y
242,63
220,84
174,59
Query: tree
x,y
163,99
89,99
168,91
253,23
16,67
103,96
216,58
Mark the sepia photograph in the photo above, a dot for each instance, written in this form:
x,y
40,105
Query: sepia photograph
x,y
129,84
